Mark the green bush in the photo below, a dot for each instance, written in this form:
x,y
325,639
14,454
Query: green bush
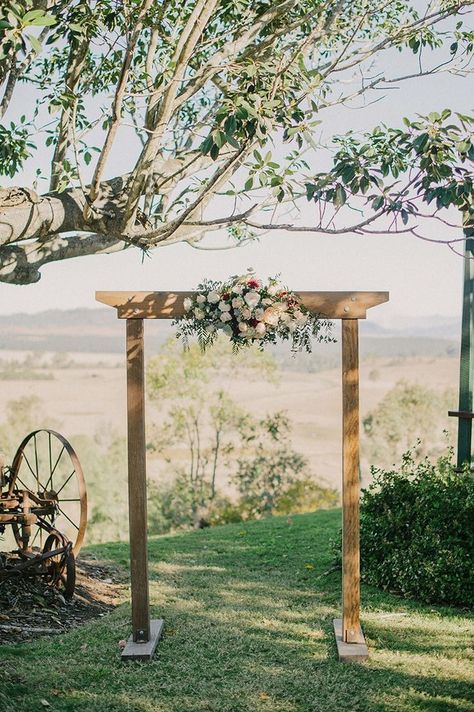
x,y
417,531
306,495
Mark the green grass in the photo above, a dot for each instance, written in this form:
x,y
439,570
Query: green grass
x,y
248,611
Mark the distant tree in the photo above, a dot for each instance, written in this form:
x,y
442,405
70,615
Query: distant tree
x,y
409,417
212,107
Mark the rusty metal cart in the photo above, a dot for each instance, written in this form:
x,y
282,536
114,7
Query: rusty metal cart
x,y
43,501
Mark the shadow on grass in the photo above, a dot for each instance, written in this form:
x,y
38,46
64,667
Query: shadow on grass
x,y
248,613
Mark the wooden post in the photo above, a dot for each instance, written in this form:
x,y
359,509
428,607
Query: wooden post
x,y
137,480
145,633
349,636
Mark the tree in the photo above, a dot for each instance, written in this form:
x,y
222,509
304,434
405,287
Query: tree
x,y
217,102
409,416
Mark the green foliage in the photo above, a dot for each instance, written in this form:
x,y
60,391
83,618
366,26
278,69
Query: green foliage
x,y
18,418
14,148
439,145
267,467
407,413
417,537
306,495
177,373
223,444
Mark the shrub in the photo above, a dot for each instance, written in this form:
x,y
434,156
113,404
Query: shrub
x,y
306,495
417,533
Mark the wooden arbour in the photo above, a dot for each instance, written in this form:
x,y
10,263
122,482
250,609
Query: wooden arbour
x,y
349,307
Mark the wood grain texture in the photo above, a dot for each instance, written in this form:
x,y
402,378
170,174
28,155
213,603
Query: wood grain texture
x,y
137,480
351,632
169,305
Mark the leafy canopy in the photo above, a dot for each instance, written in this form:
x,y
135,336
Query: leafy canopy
x,y
211,109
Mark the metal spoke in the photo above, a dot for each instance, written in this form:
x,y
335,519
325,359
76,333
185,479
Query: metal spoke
x,y
21,482
68,518
29,466
50,453
64,485
50,481
34,538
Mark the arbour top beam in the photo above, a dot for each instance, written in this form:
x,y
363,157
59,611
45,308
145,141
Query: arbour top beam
x,y
170,305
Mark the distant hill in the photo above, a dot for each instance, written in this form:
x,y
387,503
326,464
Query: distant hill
x,y
99,331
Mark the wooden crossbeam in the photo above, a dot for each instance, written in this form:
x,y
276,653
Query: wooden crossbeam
x,y
169,305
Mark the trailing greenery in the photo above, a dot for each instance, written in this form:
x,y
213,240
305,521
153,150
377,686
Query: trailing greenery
x,y
417,533
248,612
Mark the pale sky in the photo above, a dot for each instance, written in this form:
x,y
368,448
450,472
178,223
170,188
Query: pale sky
x,y
423,279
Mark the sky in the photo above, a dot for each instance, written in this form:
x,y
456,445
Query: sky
x,y
423,279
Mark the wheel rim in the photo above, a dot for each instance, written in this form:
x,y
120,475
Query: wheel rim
x,y
61,569
46,462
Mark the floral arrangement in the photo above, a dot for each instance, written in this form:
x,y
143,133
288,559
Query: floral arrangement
x,y
250,311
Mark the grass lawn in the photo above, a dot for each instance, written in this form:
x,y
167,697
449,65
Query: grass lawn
x,y
248,611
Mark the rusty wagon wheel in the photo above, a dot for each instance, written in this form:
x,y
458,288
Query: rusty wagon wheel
x,y
61,568
47,465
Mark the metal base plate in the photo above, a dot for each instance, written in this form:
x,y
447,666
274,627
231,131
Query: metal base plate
x,y
349,652
144,651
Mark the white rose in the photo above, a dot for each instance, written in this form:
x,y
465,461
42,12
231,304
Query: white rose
x,y
213,297
224,306
299,316
271,316
187,304
243,327
273,289
281,306
237,289
199,314
260,314
225,316
252,299
267,301
200,298
237,302
260,328
246,313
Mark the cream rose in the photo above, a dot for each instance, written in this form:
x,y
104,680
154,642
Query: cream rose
x,y
237,302
213,297
243,327
187,304
224,306
199,314
271,316
260,328
200,298
225,316
252,299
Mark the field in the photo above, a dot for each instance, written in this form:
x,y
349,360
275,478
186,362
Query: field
x,y
248,615
90,395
